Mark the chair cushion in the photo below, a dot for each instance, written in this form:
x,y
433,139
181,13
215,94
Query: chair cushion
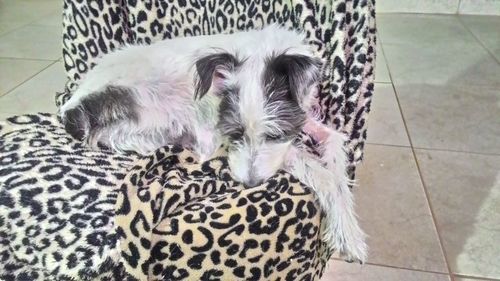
x,y
176,219
57,201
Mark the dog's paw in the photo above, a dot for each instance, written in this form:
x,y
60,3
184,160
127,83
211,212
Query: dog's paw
x,y
354,250
75,122
85,117
348,239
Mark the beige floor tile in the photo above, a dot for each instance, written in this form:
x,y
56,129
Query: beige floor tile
x,y
394,213
385,124
417,6
37,94
32,42
461,118
464,190
342,271
435,50
5,115
438,65
18,13
487,30
381,70
15,71
27,10
468,279
420,29
480,7
8,26
53,19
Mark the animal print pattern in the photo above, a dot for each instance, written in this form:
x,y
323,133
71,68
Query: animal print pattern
x,y
57,197
184,220
57,201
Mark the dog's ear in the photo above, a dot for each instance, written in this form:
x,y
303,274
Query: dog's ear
x,y
302,73
212,71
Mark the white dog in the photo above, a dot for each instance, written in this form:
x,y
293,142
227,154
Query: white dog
x,y
250,90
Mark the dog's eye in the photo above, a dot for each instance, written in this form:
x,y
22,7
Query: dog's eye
x,y
274,137
236,135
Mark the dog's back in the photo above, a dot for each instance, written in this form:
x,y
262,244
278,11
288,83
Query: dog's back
x,y
140,97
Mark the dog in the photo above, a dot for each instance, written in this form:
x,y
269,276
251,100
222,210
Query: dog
x,y
250,90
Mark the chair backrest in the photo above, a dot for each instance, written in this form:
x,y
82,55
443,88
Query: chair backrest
x,y
343,32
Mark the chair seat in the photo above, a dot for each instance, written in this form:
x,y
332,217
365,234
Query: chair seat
x,y
176,219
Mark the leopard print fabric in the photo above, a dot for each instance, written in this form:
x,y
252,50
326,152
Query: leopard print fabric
x,y
57,201
342,31
175,219
183,220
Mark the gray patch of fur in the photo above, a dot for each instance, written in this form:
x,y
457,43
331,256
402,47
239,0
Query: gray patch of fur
x,y
101,110
206,69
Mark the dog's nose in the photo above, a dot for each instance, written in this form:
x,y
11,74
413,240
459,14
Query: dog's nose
x,y
253,182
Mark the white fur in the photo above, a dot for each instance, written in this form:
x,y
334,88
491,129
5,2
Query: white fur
x,y
161,77
328,177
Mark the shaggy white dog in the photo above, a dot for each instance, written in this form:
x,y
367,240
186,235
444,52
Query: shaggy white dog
x,y
250,90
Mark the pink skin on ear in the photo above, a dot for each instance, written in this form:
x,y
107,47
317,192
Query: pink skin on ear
x,y
318,131
218,79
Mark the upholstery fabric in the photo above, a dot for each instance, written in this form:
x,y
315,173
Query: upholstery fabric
x,y
176,219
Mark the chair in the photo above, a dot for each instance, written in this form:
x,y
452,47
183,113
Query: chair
x,y
71,213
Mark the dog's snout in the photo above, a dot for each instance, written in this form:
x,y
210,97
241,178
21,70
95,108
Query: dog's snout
x,y
253,182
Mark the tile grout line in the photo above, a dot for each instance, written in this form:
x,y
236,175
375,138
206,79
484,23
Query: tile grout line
x,y
28,23
398,267
476,278
458,151
35,59
27,79
429,204
477,39
434,149
458,7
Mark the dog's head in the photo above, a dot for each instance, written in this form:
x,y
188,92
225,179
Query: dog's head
x,y
261,109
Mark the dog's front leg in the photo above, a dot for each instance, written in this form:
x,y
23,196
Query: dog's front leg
x,y
207,142
331,186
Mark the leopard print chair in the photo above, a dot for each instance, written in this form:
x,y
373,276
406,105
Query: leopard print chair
x,y
71,213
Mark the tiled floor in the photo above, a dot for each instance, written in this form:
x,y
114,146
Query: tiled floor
x,y
429,189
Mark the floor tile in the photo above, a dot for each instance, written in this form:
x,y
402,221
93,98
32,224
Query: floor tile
x,y
37,94
435,50
385,124
53,19
15,71
417,6
342,271
381,70
464,190
461,118
32,42
432,65
420,29
467,279
394,213
18,13
487,30
483,7
6,27
5,115
27,10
